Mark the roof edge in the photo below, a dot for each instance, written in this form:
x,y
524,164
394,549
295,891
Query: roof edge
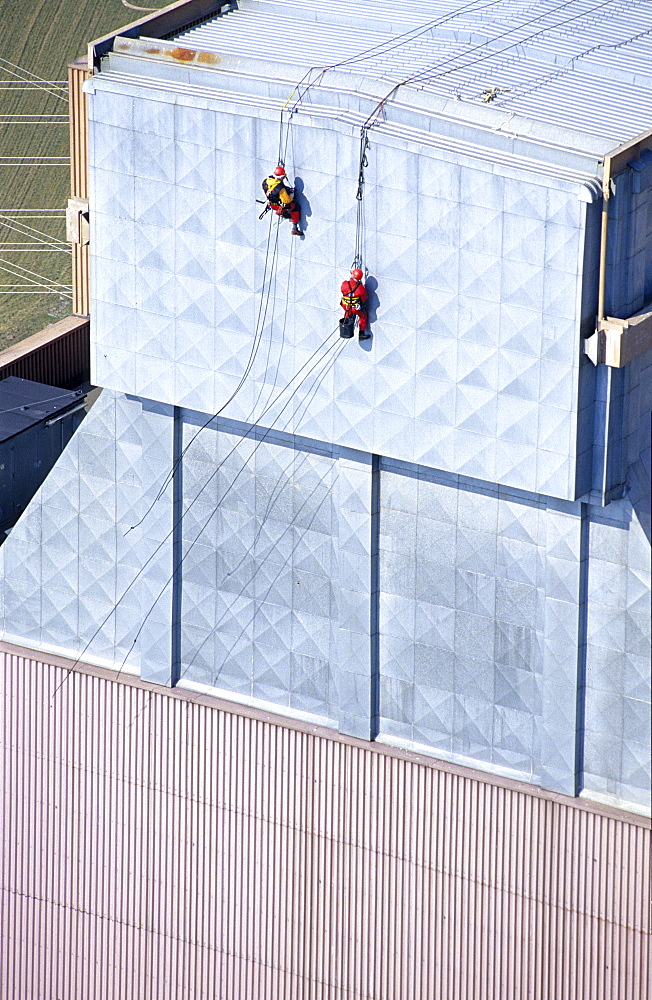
x,y
176,17
333,82
214,701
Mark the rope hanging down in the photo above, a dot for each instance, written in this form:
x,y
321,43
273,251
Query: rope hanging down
x,y
359,221
180,519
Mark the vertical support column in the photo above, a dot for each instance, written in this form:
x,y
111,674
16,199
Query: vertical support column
x,y
354,664
374,617
613,470
177,544
580,708
78,72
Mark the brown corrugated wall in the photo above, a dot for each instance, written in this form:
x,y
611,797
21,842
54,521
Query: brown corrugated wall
x,y
58,355
166,845
78,72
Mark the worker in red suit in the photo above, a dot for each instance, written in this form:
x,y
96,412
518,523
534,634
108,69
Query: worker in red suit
x,y
280,198
353,302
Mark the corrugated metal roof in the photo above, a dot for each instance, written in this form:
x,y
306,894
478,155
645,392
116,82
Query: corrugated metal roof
x,y
582,64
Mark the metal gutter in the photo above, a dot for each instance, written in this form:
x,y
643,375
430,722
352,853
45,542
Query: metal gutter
x,y
170,20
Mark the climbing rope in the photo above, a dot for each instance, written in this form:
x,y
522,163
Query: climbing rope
x,y
363,163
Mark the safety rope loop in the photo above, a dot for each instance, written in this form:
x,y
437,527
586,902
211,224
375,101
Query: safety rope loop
x,y
364,162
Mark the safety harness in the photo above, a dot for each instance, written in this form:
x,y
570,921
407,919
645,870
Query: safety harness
x,y
353,297
274,189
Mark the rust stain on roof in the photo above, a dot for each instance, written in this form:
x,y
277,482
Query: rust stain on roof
x,y
183,55
209,58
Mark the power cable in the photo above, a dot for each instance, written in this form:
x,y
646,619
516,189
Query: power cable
x,y
37,233
44,283
37,80
180,518
41,277
51,84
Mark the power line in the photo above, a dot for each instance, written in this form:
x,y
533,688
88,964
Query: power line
x,y
37,80
17,84
52,241
33,124
40,277
34,161
30,248
28,283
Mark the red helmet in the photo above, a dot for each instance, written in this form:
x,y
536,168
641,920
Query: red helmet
x,y
279,171
356,273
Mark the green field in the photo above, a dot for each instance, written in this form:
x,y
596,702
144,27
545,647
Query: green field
x,y
40,37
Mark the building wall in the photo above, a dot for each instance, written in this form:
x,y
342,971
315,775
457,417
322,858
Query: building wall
x,y
476,276
401,556
618,711
163,844
479,625
72,557
496,628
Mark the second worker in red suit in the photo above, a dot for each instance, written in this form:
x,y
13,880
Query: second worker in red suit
x,y
354,303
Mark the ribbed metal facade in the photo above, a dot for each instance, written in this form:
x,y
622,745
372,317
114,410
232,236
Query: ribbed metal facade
x,y
163,844
78,72
58,355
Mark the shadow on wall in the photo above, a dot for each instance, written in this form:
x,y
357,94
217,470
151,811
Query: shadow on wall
x,y
302,202
371,284
639,439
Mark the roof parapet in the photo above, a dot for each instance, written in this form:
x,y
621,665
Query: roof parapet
x,y
169,21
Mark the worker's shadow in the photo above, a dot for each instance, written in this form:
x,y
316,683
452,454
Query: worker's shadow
x,y
371,284
302,202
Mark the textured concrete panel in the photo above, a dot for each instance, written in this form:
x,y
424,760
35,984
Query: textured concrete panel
x,y
479,626
80,571
259,612
463,372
